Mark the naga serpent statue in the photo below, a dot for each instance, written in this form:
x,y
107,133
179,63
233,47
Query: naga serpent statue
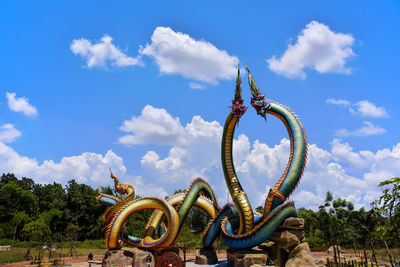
x,y
235,223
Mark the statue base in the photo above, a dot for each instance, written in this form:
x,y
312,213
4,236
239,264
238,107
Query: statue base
x,y
246,257
128,257
285,246
206,256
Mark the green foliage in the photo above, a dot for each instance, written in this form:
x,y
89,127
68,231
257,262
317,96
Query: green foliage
x,y
389,206
49,208
189,238
72,232
37,232
13,198
260,209
136,224
337,222
38,214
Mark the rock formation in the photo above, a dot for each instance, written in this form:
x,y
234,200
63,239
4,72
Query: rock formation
x,y
127,257
286,247
206,256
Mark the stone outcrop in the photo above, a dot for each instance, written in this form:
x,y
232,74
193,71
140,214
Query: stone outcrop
x,y
246,257
285,246
127,257
293,223
321,262
289,234
287,238
206,256
300,256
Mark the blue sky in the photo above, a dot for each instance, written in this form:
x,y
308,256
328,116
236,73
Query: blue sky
x,y
143,89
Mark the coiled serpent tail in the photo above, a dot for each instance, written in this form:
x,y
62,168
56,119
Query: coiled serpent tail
x,y
175,209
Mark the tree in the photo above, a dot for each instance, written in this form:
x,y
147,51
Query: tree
x,y
18,220
81,208
51,196
37,233
333,221
390,206
72,234
311,227
14,198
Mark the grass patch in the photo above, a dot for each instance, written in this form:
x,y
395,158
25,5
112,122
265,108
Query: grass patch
x,y
17,254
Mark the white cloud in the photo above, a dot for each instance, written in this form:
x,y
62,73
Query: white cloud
x,y
363,108
308,199
194,85
153,126
340,102
144,187
385,164
178,53
8,133
196,156
97,55
20,104
317,48
367,130
88,167
343,152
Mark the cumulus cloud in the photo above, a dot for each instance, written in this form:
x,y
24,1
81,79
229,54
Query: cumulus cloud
x,y
8,133
363,108
368,129
20,104
194,85
196,157
88,167
343,152
98,54
317,48
179,53
153,126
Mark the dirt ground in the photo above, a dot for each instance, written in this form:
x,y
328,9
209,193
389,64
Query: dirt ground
x,y
190,257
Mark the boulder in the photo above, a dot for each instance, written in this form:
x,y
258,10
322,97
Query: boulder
x,y
321,262
287,239
300,256
206,256
293,223
289,234
246,257
270,249
127,257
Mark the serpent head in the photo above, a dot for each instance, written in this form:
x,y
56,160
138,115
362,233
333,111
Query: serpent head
x,y
237,108
120,188
258,101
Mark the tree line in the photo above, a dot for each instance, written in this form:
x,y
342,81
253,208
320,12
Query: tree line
x,y
49,213
338,222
